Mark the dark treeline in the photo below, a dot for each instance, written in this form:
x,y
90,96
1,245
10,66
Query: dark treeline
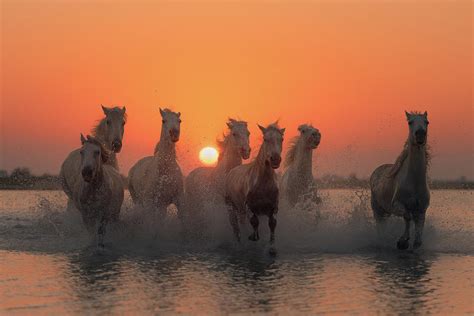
x,y
23,179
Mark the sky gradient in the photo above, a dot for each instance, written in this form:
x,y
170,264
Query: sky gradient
x,y
349,67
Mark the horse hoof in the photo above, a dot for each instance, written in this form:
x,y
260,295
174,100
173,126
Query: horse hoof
x,y
403,244
417,244
272,251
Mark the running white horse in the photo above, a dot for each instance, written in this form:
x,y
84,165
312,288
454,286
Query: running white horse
x,y
401,189
93,187
109,131
252,189
207,183
298,181
156,181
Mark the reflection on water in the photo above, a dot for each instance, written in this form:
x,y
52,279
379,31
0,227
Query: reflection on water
x,y
222,282
404,281
334,268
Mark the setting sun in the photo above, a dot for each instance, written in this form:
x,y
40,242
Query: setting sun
x,y
208,155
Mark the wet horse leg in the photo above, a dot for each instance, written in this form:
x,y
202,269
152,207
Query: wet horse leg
x,y
234,222
403,242
272,222
254,221
101,232
419,220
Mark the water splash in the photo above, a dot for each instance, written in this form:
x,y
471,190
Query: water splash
x,y
342,223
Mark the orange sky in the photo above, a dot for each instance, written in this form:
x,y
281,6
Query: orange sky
x,y
351,68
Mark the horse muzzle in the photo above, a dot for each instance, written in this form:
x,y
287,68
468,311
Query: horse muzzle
x,y
420,138
245,153
87,174
275,162
116,146
174,136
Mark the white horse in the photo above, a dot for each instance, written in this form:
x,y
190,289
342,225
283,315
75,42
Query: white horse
x,y
298,181
157,181
93,187
252,189
401,189
207,183
109,131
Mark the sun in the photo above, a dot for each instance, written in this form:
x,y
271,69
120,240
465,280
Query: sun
x,y
208,155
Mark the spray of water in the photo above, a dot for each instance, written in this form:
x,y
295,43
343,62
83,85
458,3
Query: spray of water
x,y
342,223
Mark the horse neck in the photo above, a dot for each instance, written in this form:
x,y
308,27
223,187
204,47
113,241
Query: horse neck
x,y
230,158
261,168
416,162
303,158
100,135
166,150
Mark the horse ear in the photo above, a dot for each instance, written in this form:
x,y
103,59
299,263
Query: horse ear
x,y
124,109
408,115
161,112
229,125
179,114
83,140
263,129
425,114
282,131
106,110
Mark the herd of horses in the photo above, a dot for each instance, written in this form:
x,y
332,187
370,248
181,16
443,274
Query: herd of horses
x,y
91,180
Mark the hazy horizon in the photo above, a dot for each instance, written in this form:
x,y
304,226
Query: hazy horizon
x,y
351,69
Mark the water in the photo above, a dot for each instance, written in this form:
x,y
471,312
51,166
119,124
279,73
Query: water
x,y
328,261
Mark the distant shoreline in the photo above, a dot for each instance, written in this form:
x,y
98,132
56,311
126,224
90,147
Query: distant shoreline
x,y
52,183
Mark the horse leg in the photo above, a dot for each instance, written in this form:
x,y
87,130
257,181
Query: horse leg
x,y
379,216
419,220
101,233
272,222
88,222
403,242
254,221
234,222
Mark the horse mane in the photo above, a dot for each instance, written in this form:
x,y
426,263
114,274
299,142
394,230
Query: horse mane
x,y
222,143
104,152
98,130
403,156
291,154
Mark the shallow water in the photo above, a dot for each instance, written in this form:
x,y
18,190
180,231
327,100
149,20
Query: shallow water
x,y
328,261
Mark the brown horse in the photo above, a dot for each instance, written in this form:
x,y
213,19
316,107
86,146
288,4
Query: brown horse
x,y
252,188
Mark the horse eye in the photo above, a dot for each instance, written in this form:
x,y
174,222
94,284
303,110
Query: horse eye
x,y
179,121
427,122
81,152
96,153
163,121
108,122
410,122
234,134
123,123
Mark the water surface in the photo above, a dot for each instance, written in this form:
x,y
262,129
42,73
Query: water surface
x,y
329,261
